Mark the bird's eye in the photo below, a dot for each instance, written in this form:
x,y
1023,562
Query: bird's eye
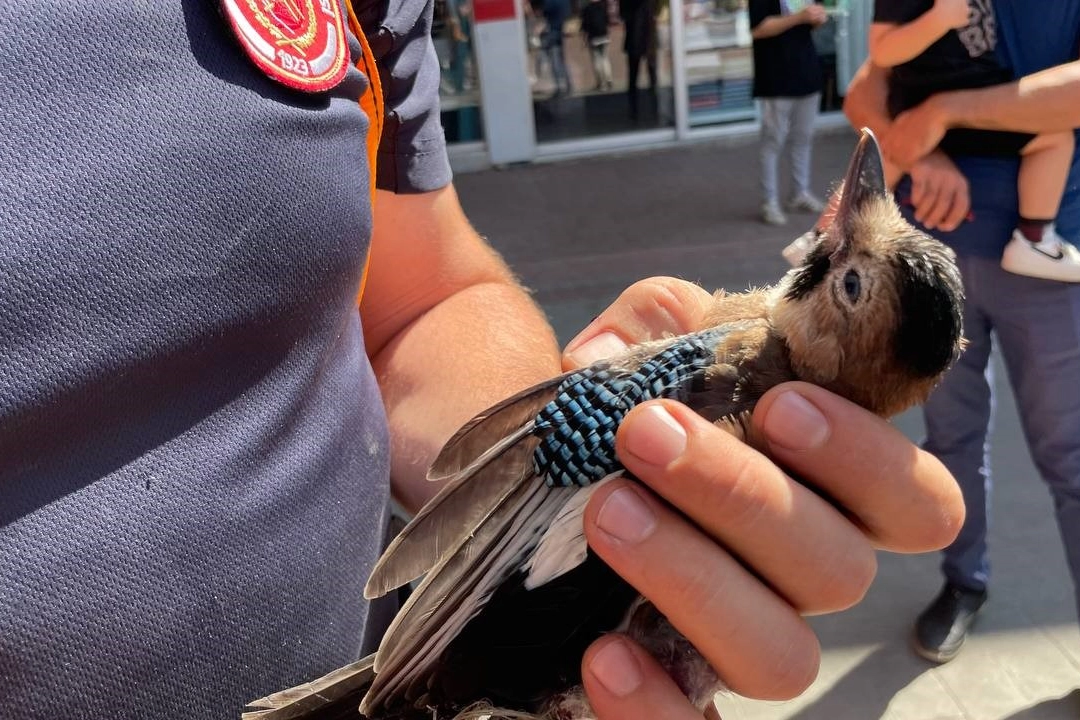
x,y
852,285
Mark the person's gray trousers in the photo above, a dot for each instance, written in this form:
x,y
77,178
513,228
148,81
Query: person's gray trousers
x,y
790,120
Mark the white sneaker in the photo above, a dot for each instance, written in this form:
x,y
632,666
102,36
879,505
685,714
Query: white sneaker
x,y
771,214
805,202
796,251
1051,259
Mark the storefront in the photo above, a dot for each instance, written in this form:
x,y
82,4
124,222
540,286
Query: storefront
x,y
621,73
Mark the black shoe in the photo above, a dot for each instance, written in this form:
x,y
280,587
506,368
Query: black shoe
x,y
942,627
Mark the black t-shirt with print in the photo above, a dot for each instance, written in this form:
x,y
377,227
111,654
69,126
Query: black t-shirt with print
x,y
960,59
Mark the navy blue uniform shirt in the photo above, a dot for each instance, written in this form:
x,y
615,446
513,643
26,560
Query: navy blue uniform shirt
x,y
193,451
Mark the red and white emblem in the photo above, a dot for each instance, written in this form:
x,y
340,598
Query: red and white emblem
x,y
300,43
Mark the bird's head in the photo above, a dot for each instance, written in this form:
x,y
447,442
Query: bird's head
x,y
874,312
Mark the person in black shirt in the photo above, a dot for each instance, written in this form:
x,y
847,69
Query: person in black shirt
x,y
937,45
787,81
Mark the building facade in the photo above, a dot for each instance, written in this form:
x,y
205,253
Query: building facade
x,y
531,79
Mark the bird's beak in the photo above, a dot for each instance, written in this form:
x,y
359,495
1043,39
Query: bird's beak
x,y
865,179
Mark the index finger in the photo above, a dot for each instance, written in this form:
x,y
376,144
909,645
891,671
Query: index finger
x,y
935,204
902,496
960,208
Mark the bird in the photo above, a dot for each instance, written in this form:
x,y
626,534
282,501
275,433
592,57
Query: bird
x,y
511,596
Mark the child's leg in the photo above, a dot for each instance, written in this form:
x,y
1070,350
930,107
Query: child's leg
x,y
1044,170
1036,250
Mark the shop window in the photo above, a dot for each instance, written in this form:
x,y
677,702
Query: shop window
x,y
459,87
599,66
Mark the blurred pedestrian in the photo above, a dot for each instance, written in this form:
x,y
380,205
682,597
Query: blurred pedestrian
x,y
639,43
788,82
594,26
971,202
556,13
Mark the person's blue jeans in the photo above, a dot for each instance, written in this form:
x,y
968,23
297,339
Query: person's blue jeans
x,y
1037,327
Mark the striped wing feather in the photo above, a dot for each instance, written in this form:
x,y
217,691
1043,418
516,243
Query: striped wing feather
x,y
469,495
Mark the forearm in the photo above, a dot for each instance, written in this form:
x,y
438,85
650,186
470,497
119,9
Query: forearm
x,y
866,100
448,330
1047,101
774,25
891,45
469,352
865,105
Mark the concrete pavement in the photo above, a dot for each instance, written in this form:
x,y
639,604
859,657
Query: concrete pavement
x,y
579,231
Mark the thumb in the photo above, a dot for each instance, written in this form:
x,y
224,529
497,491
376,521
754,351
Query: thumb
x,y
650,309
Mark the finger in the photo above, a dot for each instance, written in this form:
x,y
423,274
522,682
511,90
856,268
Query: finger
x,y
757,643
647,310
931,209
795,540
903,497
961,206
918,192
624,682
945,206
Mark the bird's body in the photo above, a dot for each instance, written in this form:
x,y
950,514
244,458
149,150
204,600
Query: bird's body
x,y
511,596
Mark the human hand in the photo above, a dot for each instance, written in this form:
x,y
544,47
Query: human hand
x,y
939,192
951,14
814,14
759,550
914,133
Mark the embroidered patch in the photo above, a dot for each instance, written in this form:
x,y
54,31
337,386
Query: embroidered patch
x,y
299,43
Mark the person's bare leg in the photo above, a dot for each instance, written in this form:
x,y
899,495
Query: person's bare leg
x,y
1044,170
1036,249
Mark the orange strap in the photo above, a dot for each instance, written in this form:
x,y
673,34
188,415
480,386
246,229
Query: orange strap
x,y
372,103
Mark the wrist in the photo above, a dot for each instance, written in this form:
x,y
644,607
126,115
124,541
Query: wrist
x,y
946,109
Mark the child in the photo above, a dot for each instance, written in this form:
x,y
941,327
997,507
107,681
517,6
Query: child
x,y
938,45
594,25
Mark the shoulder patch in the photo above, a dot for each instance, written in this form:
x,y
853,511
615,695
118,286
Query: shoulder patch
x,y
299,43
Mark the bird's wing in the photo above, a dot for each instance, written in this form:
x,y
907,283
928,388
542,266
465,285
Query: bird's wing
x,y
475,486
455,591
341,688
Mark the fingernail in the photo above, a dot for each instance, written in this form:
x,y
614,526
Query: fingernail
x,y
655,437
794,423
626,517
604,345
615,666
